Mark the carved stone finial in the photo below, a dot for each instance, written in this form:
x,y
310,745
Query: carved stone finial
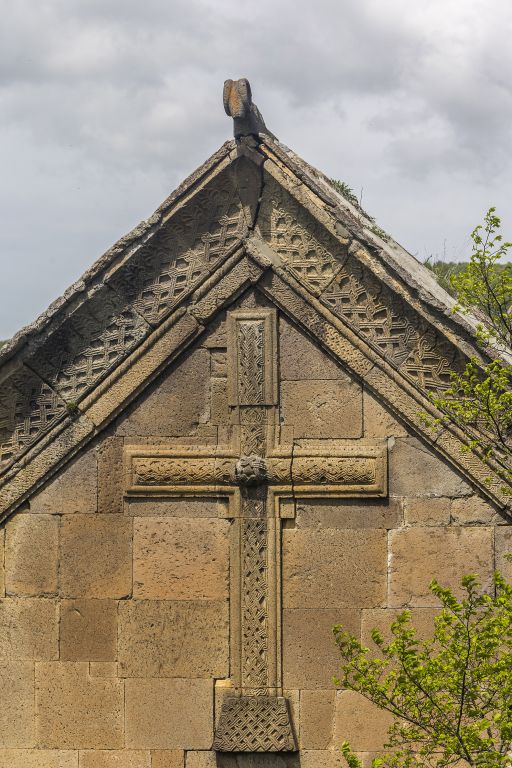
x,y
238,103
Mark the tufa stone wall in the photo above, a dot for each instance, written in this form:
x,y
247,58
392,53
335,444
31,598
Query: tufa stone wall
x,y
115,610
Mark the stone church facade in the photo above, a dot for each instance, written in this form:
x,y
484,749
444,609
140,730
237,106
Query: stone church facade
x,y
213,449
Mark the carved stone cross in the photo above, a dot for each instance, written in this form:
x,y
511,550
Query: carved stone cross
x,y
262,473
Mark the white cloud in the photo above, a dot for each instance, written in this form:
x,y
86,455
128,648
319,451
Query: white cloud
x,y
106,105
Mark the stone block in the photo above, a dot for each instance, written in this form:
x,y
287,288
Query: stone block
x,y
176,404
322,758
334,568
203,759
219,363
111,758
173,639
31,555
110,475
316,719
38,758
349,513
185,507
353,714
106,669
422,619
29,629
473,511
435,511
167,758
414,470
319,409
2,562
378,421
72,490
503,546
180,559
310,655
300,359
219,401
88,630
16,703
417,555
76,711
96,556
169,714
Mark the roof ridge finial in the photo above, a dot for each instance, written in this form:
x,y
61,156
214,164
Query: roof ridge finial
x,y
238,103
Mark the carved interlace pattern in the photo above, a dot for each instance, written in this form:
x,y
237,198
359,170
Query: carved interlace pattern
x,y
28,408
251,379
184,250
164,470
250,470
254,724
252,430
405,339
322,470
302,243
254,604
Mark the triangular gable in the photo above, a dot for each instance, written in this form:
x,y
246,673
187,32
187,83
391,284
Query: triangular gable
x,y
141,306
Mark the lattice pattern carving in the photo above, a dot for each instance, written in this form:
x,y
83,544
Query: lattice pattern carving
x,y
405,339
183,251
254,724
303,244
90,344
28,408
254,603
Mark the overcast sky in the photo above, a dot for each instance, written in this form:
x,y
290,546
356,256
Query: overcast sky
x,y
106,105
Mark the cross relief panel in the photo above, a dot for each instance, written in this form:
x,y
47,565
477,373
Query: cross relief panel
x,y
261,473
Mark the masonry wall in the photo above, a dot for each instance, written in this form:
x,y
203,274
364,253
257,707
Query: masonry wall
x,y
114,617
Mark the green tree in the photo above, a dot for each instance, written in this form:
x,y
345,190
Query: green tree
x,y
479,398
450,696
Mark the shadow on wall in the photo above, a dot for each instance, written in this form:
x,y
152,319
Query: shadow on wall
x,y
258,760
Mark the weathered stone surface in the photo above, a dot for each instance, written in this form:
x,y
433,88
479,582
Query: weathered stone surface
x,y
316,719
105,669
169,714
96,556
29,629
334,568
435,511
2,562
179,559
73,490
382,618
473,511
419,554
415,471
203,759
16,703
110,475
31,555
88,630
310,656
378,422
360,722
167,758
348,513
219,401
321,758
173,639
178,402
76,711
160,507
318,409
503,546
300,359
38,758
259,760
108,758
